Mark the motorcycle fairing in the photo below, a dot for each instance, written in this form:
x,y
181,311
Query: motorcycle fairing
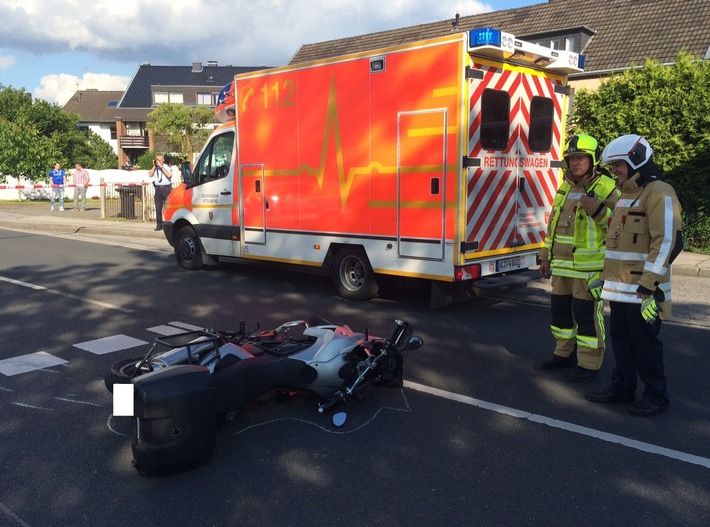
x,y
243,382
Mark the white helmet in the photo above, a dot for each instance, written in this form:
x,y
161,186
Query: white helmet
x,y
631,148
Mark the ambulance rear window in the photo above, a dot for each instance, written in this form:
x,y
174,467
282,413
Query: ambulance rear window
x,y
495,119
542,114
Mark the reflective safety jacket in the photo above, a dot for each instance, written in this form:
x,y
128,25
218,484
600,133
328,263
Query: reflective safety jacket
x,y
574,245
640,240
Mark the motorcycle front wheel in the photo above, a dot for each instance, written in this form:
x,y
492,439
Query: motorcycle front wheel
x,y
121,373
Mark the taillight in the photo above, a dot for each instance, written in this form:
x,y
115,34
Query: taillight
x,y
467,272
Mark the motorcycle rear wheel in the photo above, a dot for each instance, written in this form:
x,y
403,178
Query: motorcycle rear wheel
x,y
121,373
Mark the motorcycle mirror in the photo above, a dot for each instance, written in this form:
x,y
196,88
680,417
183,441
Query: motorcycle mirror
x,y
339,419
415,343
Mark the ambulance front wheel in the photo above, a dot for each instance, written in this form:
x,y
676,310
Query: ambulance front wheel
x,y
187,249
353,276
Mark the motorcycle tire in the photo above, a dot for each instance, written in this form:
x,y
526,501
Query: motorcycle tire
x,y
121,373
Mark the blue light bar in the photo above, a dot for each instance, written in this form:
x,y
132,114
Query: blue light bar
x,y
484,36
582,61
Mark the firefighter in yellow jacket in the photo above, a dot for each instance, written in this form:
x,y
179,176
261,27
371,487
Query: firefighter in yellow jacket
x,y
573,256
644,237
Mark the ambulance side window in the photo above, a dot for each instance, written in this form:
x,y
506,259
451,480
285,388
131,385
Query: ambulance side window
x,y
495,119
542,114
215,160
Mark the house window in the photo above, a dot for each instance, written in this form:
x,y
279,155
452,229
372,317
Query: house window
x,y
569,44
207,99
134,129
114,135
162,97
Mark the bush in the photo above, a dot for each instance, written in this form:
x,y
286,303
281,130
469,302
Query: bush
x,y
670,106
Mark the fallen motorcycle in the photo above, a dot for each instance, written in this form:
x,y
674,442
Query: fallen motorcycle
x,y
189,381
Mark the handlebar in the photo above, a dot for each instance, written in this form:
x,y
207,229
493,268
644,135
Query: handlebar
x,y
337,398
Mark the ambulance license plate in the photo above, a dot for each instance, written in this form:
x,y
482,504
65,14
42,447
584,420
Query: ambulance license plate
x,y
508,264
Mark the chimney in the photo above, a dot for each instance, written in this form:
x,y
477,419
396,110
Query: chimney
x,y
196,67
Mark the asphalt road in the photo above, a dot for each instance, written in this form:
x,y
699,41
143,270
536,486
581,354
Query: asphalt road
x,y
479,435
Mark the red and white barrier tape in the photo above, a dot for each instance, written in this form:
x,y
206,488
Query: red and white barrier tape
x,y
39,186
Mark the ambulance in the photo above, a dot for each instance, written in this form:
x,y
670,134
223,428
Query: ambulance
x,y
436,160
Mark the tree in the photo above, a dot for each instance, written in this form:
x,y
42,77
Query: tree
x,y
90,149
670,106
182,128
24,152
36,134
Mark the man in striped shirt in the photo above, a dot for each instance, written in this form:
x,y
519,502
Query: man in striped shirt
x,y
81,184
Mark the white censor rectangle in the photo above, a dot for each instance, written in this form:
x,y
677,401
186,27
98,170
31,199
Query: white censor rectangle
x,y
123,400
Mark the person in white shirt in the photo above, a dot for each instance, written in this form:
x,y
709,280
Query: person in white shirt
x,y
161,176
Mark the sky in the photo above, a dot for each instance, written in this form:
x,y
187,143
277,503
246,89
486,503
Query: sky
x,y
52,48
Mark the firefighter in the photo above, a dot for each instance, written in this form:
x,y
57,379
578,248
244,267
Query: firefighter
x,y
643,238
573,256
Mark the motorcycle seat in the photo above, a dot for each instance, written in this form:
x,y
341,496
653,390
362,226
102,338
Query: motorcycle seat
x,y
285,346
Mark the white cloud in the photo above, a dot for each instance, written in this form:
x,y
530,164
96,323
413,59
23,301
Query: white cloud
x,y
59,88
232,31
178,32
6,61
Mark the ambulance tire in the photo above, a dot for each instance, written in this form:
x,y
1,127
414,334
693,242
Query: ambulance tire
x,y
187,249
353,276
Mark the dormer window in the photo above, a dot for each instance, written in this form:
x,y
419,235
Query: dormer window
x,y
162,97
568,39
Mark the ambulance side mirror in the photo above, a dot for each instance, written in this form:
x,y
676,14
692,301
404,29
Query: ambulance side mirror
x,y
186,173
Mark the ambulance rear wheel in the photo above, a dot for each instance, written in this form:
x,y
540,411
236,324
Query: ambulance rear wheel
x,y
353,276
187,249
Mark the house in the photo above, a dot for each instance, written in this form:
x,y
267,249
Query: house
x,y
97,111
195,85
613,34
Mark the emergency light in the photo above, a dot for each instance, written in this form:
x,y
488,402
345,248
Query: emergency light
x,y
500,45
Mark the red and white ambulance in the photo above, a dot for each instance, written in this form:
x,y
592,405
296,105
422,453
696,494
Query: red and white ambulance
x,y
435,160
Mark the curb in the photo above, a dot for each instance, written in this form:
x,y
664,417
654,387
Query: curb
x,y
74,229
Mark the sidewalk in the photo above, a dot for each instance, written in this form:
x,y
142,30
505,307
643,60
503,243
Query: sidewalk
x,y
36,216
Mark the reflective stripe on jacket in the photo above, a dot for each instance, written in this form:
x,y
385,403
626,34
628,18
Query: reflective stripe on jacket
x,y
639,241
574,244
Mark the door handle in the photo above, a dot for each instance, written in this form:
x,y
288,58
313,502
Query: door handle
x,y
225,193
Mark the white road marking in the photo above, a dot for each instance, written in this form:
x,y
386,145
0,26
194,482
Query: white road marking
x,y
30,362
90,301
173,328
23,284
66,295
12,515
67,400
166,330
110,344
185,326
33,407
563,425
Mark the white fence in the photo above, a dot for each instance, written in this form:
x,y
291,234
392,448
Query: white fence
x,y
122,193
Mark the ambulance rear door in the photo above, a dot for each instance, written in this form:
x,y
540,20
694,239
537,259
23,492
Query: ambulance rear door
x,y
515,130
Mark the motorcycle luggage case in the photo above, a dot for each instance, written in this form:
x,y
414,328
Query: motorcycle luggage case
x,y
174,424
